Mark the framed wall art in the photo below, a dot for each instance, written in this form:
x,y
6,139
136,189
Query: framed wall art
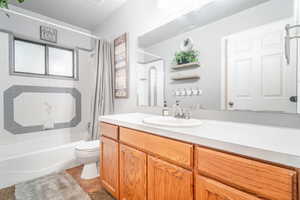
x,y
121,66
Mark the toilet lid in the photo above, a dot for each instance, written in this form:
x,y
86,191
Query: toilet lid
x,y
88,146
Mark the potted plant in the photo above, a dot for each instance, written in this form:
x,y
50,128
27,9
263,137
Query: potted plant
x,y
4,3
184,57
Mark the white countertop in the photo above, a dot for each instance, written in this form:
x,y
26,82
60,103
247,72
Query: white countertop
x,y
273,144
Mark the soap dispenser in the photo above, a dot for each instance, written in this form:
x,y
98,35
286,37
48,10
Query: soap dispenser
x,y
165,110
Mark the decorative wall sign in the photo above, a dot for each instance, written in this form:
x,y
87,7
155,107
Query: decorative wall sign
x,y
121,66
48,34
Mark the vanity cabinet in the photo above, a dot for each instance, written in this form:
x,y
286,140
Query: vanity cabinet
x,y
168,182
136,165
133,174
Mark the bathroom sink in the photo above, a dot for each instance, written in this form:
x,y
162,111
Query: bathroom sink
x,y
172,122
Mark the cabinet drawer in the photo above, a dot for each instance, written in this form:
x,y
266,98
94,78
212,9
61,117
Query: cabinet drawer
x,y
173,151
109,130
264,180
207,189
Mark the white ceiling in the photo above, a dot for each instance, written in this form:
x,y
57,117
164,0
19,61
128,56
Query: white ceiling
x,y
206,15
87,14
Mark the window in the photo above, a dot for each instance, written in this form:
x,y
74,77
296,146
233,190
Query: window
x,y
60,62
24,62
43,60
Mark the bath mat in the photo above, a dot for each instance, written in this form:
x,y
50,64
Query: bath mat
x,y
60,186
69,182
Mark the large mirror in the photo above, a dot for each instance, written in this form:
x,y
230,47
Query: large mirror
x,y
224,55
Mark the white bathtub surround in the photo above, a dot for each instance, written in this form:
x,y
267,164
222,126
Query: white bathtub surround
x,y
32,165
273,144
27,156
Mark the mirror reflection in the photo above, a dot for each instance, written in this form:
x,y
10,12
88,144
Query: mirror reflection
x,y
211,59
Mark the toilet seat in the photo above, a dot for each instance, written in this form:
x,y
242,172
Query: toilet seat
x,y
88,146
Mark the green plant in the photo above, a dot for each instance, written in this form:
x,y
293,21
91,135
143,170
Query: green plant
x,y
184,57
4,3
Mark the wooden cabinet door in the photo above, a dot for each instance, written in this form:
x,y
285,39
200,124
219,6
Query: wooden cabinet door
x,y
208,189
168,182
133,174
109,163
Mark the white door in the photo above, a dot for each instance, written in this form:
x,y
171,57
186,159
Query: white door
x,y
258,77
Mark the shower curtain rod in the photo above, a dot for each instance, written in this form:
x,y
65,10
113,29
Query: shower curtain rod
x,y
49,23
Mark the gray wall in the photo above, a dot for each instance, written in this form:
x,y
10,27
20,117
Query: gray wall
x,y
146,17
207,40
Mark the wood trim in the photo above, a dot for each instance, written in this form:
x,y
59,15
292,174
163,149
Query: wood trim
x,y
109,131
248,175
170,150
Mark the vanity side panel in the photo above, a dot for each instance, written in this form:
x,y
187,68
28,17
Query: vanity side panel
x,y
171,150
263,180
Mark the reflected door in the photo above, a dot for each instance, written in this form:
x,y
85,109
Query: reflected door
x,y
258,76
151,83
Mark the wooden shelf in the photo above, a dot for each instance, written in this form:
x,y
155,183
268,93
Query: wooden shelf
x,y
194,64
185,78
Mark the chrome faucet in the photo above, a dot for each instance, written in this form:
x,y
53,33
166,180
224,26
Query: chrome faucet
x,y
180,113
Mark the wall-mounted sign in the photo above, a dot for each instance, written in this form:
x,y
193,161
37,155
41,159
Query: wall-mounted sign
x,y
48,34
121,66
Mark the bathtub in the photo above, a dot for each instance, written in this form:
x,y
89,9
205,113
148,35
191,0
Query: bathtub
x,y
32,165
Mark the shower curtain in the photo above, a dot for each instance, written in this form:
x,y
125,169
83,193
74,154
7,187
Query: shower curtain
x,y
103,101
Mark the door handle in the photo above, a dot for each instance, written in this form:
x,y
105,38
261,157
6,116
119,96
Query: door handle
x,y
231,104
294,99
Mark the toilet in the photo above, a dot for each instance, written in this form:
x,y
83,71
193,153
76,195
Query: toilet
x,y
87,153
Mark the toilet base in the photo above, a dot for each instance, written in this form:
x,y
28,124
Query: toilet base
x,y
89,171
